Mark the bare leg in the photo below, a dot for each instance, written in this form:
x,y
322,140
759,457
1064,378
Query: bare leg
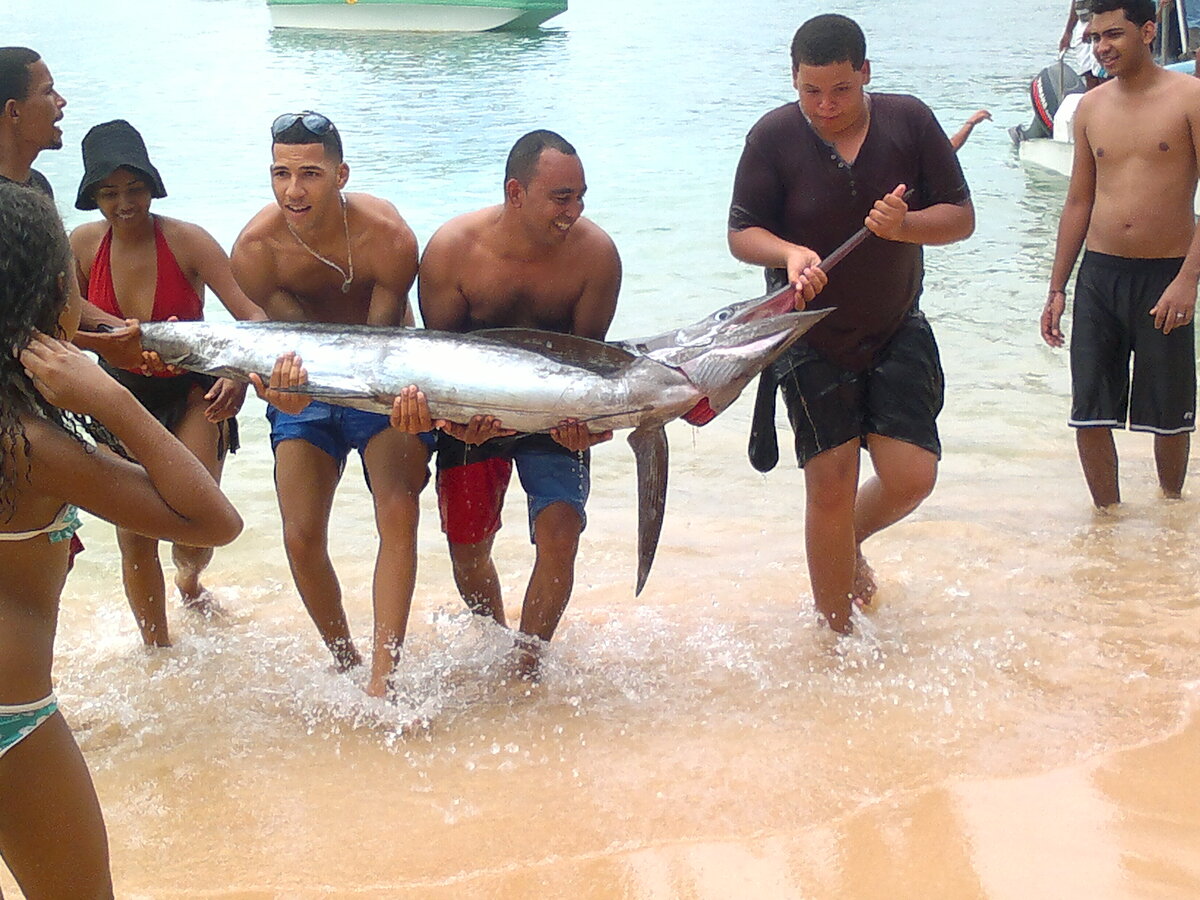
x,y
1171,460
397,466
145,588
556,533
831,484
202,437
1098,456
305,479
52,833
904,476
476,578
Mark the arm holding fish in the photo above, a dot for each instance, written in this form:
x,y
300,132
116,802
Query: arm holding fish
x,y
941,223
592,316
760,247
253,267
119,341
754,214
392,261
212,266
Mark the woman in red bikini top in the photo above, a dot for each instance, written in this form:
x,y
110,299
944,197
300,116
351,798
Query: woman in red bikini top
x,y
139,266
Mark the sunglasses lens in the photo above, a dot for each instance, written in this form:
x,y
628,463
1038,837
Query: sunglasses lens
x,y
283,123
317,123
314,123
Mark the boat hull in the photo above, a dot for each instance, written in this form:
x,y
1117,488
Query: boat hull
x,y
397,15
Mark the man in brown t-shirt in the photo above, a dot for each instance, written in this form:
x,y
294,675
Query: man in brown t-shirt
x,y
868,374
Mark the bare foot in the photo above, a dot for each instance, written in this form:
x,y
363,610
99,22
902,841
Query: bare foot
x,y
194,595
864,589
525,660
378,687
345,655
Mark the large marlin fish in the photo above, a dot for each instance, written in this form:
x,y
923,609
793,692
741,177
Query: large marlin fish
x,y
531,380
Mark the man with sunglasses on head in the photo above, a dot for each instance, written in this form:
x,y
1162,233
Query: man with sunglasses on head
x,y
532,261
320,255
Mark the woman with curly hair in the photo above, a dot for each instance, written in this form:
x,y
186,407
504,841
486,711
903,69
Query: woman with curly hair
x,y
52,834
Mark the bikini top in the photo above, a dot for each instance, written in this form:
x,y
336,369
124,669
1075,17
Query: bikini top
x,y
63,528
173,293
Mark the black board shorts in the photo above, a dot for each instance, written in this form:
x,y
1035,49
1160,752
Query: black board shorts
x,y
1111,321
898,397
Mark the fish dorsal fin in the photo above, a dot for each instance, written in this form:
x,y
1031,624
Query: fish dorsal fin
x,y
596,356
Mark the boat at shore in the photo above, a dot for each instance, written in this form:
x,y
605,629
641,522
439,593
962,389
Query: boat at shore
x,y
414,15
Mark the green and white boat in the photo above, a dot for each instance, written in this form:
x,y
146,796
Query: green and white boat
x,y
414,15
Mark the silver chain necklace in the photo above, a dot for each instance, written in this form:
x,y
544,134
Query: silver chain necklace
x,y
347,278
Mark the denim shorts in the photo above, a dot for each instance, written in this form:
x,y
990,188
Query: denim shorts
x,y
334,429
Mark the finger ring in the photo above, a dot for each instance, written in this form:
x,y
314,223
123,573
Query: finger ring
x,y
1180,316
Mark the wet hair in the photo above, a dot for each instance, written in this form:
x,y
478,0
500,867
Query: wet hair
x,y
525,153
35,262
1139,12
14,72
297,133
827,40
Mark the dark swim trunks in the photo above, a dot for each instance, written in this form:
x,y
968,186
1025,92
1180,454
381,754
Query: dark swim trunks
x,y
166,398
1111,320
898,397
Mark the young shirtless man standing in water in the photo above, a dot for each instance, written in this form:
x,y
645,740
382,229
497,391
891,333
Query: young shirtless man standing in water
x,y
318,255
1137,139
533,261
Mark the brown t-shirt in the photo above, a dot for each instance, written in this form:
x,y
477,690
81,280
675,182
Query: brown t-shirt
x,y
796,186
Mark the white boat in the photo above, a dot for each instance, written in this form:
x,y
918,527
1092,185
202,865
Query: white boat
x,y
414,15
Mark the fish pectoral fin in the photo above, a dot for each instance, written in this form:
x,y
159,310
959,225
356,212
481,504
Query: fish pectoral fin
x,y
649,445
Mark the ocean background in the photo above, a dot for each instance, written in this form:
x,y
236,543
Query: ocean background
x,y
985,735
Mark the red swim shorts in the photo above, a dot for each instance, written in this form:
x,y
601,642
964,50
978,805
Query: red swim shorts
x,y
470,498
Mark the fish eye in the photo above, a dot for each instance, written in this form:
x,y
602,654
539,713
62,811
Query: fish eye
x,y
724,314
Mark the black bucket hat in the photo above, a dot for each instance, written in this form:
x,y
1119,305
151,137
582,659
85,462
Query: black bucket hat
x,y
111,146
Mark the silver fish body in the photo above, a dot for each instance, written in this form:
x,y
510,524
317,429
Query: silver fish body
x,y
531,380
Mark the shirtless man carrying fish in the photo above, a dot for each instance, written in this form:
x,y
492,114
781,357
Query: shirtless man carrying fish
x,y
318,255
1137,139
531,262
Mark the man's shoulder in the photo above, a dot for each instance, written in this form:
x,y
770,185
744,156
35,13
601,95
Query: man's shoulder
x,y
262,229
786,117
592,238
466,230
902,107
380,222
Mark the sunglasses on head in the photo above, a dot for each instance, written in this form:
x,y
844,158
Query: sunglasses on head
x,y
314,123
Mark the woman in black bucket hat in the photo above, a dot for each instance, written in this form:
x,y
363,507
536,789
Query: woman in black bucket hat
x,y
139,266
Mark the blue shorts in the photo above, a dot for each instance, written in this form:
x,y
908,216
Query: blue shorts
x,y
334,429
471,496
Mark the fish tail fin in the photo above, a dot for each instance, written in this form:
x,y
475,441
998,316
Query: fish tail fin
x,y
649,445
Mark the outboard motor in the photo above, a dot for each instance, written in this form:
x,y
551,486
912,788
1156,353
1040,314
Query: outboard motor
x,y
1046,91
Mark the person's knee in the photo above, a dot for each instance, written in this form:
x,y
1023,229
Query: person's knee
x,y
556,530
396,513
303,539
467,559
912,485
831,482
